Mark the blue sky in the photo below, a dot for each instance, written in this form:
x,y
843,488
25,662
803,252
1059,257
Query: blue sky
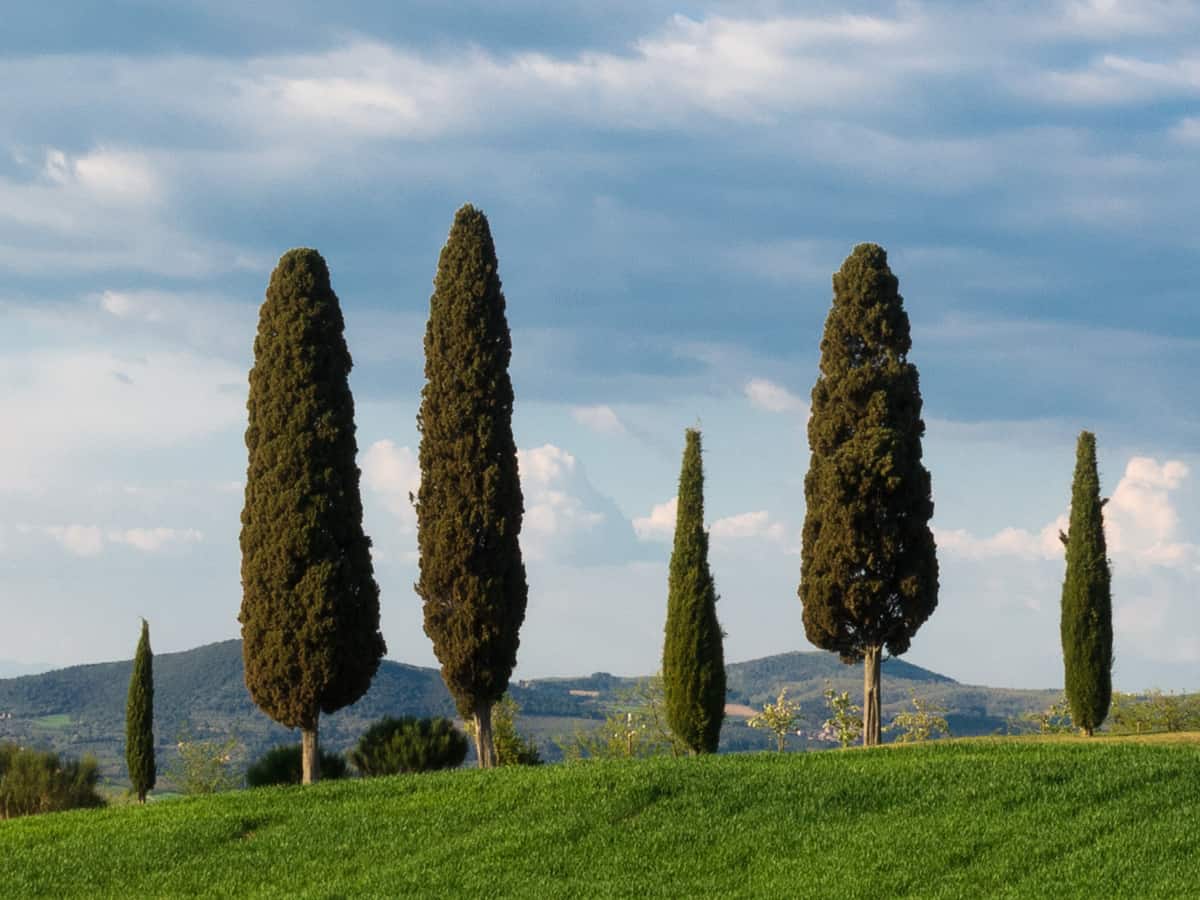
x,y
670,187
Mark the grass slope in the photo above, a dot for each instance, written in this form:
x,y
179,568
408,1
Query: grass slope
x,y
954,819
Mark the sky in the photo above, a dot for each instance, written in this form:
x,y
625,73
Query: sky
x,y
670,188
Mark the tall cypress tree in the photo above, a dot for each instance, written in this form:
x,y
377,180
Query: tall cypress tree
x,y
1086,624
310,604
869,574
139,719
469,507
693,655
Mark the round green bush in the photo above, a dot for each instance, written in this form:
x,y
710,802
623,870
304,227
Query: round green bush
x,y
408,744
282,765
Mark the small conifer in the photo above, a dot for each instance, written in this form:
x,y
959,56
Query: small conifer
x,y
139,719
693,653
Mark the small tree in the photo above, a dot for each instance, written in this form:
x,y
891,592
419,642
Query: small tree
x,y
845,720
779,717
693,657
139,719
469,507
310,604
924,721
283,765
1087,597
205,765
636,727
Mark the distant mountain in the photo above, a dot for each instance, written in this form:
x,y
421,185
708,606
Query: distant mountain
x,y
201,693
11,669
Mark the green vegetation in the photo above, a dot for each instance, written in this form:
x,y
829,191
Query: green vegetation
x,y
779,718
693,669
33,781
408,744
283,765
869,572
1005,817
1087,634
469,505
512,748
139,719
310,604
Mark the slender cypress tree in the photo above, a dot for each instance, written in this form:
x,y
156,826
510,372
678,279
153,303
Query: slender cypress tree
x,y
693,656
139,719
1086,624
869,574
310,604
469,507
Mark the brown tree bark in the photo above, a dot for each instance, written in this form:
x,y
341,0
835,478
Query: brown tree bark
x,y
871,691
310,754
485,749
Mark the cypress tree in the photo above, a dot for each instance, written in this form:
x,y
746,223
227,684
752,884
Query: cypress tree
x,y
1086,623
469,506
869,574
139,719
693,657
310,604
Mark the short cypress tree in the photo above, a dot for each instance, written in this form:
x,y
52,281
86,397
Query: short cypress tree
x,y
1086,623
693,656
139,719
469,508
869,574
310,604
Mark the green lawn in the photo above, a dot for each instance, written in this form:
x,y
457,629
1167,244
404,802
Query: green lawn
x,y
956,819
55,722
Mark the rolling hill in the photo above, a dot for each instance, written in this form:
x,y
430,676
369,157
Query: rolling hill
x,y
201,693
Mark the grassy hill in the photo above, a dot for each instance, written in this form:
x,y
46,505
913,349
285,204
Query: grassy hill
x,y
82,709
1008,817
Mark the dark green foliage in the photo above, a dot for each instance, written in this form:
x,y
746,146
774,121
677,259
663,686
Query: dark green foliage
x,y
408,744
1087,596
139,719
869,574
693,667
310,604
469,509
281,765
33,781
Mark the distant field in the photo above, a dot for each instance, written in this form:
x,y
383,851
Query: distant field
x,y
52,722
982,817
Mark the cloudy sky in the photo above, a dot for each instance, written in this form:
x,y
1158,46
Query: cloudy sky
x,y
670,187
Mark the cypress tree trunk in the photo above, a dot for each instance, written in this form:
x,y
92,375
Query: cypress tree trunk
x,y
310,754
469,506
871,696
485,747
139,719
693,653
1087,597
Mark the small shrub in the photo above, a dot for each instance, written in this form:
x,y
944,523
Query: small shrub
x,y
204,766
408,744
779,717
282,765
844,724
33,781
512,748
925,721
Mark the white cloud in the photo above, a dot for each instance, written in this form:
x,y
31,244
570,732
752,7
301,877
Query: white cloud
x,y
90,540
1141,521
772,397
660,524
743,526
1016,542
73,403
1116,79
1187,130
598,418
394,473
555,512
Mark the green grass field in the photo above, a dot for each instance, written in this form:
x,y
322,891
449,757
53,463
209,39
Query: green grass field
x,y
1003,817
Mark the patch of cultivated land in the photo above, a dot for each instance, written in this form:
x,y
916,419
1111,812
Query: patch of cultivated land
x,y
991,817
